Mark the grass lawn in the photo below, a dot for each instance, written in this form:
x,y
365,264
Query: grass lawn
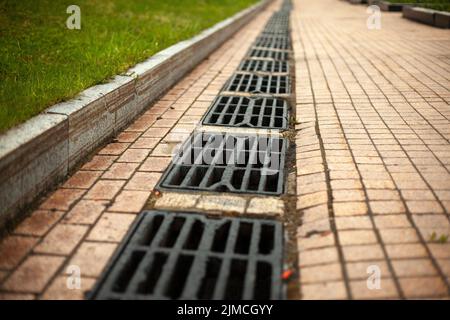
x,y
442,5
42,62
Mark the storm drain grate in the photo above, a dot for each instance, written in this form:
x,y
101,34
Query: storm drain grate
x,y
270,54
265,113
256,84
264,66
273,42
225,162
189,256
273,31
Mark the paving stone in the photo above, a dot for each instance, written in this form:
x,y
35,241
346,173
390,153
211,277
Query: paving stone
x,y
85,212
62,199
312,199
431,221
134,155
329,291
145,143
387,207
62,239
59,289
362,252
314,227
423,287
222,203
104,190
143,181
120,171
349,195
155,164
114,149
315,213
349,208
353,223
270,206
423,206
407,250
99,162
17,296
387,290
439,250
111,227
316,241
392,221
82,179
13,249
91,257
318,256
345,184
38,223
322,273
33,274
414,268
129,201
399,235
170,200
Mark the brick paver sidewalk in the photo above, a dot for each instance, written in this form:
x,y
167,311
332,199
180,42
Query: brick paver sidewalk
x,y
373,161
82,222
373,153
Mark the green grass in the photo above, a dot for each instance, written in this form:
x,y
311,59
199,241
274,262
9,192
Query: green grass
x,y
42,62
441,5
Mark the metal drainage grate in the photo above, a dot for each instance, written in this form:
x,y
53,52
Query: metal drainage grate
x,y
271,54
273,42
275,32
264,66
266,113
224,162
189,256
264,84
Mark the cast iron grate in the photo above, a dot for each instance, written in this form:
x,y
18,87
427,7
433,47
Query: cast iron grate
x,y
272,66
169,255
256,84
273,42
265,113
275,32
225,162
270,54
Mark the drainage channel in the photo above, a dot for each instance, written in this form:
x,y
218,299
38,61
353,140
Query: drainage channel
x,y
170,255
187,255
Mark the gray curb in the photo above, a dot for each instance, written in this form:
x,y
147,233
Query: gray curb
x,y
40,153
431,17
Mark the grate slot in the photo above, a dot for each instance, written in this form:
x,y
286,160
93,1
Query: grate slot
x,y
241,164
264,66
255,84
234,270
268,54
266,113
273,42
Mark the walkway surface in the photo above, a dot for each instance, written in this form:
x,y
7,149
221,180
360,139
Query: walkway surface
x,y
373,153
373,164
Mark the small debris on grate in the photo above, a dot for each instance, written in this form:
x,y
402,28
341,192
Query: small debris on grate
x,y
266,113
256,84
221,162
169,255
